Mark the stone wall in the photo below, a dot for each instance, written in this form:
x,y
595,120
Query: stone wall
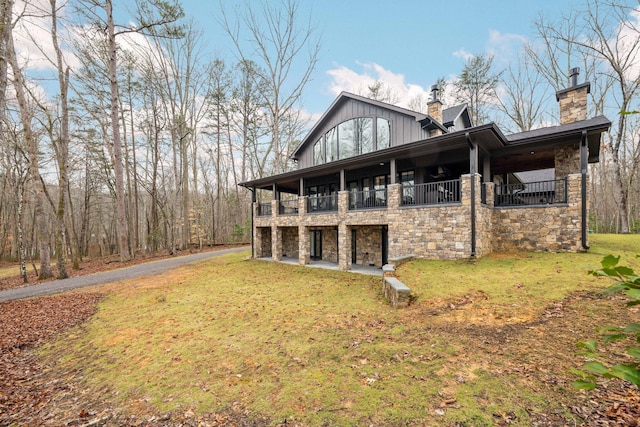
x,y
484,219
330,244
262,242
290,242
369,245
554,228
435,232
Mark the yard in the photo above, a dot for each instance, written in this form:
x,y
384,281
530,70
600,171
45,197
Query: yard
x,y
233,341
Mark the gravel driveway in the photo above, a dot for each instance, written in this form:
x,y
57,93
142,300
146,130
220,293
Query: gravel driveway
x,y
145,269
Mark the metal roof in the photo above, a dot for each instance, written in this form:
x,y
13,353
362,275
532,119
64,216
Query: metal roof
x,y
489,137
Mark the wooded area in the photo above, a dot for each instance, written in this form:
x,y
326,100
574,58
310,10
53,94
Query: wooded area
x,y
131,140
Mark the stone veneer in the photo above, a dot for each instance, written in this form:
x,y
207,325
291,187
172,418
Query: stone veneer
x,y
368,245
290,242
436,232
554,228
573,103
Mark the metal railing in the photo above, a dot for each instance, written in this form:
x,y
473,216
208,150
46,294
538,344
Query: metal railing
x,y
322,203
264,209
532,193
368,199
288,207
432,193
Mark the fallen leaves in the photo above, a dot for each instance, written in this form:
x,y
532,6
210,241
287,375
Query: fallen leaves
x,y
25,325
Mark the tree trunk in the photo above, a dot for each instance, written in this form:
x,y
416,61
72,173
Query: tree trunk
x,y
63,147
32,150
123,241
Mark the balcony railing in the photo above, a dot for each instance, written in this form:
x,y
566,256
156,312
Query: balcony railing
x,y
264,209
432,193
288,207
322,203
532,193
368,199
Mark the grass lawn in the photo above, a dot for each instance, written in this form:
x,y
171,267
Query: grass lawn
x,y
486,343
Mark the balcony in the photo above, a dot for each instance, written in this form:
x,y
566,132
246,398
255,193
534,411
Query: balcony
x,y
432,193
264,209
288,207
322,203
368,199
539,193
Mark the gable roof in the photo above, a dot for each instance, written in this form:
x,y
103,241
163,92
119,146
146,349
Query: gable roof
x,y
346,96
451,114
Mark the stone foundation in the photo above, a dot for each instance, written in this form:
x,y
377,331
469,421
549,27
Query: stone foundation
x,y
435,232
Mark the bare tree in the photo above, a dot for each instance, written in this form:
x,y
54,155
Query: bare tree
x,y
155,18
32,151
277,42
605,31
521,98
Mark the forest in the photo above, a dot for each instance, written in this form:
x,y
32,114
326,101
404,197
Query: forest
x,y
129,140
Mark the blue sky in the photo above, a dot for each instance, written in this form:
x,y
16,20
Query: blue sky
x,y
408,42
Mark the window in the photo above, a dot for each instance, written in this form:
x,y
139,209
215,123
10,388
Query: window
x,y
407,179
351,138
331,138
347,139
364,136
384,133
318,152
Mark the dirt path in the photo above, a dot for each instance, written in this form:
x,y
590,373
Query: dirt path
x,y
144,269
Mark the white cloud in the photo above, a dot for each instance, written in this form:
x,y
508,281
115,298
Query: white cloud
x,y
32,35
504,46
626,44
462,53
348,80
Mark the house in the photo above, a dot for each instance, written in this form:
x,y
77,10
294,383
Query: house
x,y
376,181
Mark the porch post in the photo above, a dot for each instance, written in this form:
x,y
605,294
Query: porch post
x,y
253,226
473,167
392,172
343,180
486,169
301,187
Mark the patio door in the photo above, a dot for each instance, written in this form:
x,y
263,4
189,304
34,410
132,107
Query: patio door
x,y
385,244
354,250
316,244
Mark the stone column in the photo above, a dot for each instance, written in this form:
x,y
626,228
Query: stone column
x,y
276,242
344,247
304,245
343,203
490,193
394,196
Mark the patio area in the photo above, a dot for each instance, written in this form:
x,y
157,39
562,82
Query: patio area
x,y
359,269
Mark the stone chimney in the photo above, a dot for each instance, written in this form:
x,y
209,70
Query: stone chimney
x,y
434,108
573,100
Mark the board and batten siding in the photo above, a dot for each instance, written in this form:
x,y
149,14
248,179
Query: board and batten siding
x,y
404,128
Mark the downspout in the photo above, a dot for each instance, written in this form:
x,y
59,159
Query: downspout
x,y
583,173
472,168
253,200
